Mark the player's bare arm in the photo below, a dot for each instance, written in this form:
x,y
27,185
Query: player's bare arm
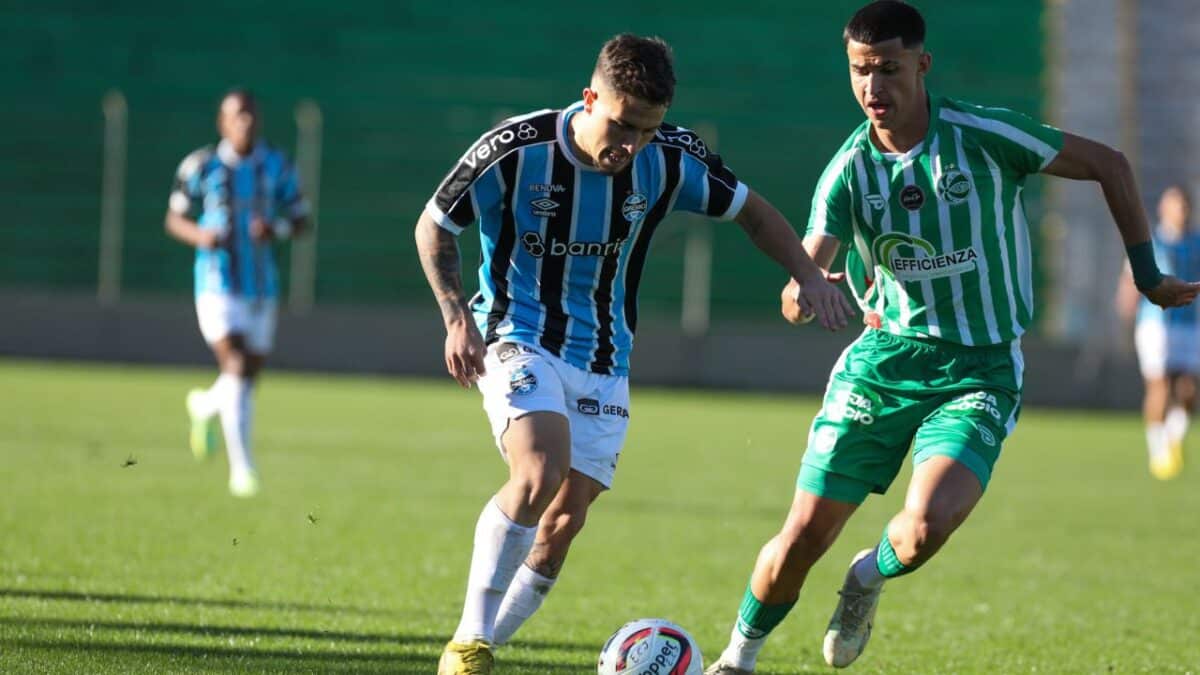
x,y
772,234
281,229
438,250
822,248
1085,159
186,230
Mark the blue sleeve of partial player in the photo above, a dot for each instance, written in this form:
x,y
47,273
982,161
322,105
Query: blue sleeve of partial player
x,y
186,190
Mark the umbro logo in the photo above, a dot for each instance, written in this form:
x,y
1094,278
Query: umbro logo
x,y
544,207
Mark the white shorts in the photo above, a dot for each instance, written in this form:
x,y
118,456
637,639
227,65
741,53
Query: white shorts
x,y
1164,350
224,315
522,379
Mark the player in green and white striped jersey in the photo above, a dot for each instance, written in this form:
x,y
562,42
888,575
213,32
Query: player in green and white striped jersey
x,y
926,195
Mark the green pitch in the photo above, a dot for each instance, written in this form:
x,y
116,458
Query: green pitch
x,y
120,554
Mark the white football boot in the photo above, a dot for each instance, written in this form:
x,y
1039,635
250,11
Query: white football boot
x,y
850,627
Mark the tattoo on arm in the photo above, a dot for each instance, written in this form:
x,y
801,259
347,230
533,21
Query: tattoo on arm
x,y
438,250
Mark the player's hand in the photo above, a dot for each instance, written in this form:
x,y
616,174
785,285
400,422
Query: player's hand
x,y
464,352
817,297
260,230
1172,292
208,239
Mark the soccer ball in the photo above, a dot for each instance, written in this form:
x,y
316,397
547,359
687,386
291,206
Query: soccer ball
x,y
650,647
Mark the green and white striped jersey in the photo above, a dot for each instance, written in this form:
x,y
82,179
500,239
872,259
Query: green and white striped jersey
x,y
940,244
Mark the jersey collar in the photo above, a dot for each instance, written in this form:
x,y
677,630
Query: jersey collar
x,y
935,109
230,157
564,136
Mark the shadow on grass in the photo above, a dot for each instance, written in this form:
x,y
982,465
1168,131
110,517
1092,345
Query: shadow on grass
x,y
77,596
265,631
278,660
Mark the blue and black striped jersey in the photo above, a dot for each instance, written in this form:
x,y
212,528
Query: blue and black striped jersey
x,y
224,191
564,245
1179,258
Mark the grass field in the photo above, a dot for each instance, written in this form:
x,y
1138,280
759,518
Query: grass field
x,y
119,554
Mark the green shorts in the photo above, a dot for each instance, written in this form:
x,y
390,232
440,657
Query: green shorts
x,y
889,393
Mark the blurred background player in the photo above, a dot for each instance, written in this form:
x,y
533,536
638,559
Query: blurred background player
x,y
1167,340
230,202
927,194
567,202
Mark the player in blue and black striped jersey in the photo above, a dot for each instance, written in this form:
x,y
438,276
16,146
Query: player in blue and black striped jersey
x,y
230,203
567,202
1167,340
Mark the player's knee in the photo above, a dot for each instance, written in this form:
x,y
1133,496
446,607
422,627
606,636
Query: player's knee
x,y
235,363
538,485
918,535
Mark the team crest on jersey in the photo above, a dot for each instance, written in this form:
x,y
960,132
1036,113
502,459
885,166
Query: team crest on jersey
x,y
912,197
522,381
877,202
910,258
634,207
953,186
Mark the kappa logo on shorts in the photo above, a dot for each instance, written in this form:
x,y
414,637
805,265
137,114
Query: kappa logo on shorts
x,y
522,381
987,436
589,406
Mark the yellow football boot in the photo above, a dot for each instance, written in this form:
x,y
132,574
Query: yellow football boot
x,y
466,658
1169,464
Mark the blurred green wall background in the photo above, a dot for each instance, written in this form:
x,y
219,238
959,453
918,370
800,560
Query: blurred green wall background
x,y
404,87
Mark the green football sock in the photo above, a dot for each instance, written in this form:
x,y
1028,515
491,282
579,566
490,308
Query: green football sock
x,y
756,620
887,562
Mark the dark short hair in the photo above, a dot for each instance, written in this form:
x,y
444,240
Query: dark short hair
x,y
641,67
884,20
247,97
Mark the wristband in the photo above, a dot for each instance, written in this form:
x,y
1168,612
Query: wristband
x,y
1141,261
282,228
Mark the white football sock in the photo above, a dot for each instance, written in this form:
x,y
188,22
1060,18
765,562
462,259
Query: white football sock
x,y
1156,439
500,547
235,400
525,595
866,571
742,651
206,404
1176,424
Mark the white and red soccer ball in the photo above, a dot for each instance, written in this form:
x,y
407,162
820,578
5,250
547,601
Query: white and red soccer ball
x,y
650,647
